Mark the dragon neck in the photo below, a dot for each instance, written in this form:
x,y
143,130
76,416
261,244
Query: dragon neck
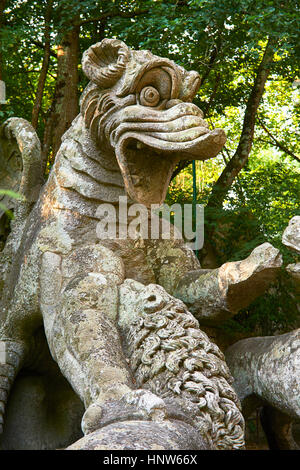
x,y
83,176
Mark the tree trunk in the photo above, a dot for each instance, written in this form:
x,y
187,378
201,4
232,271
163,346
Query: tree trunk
x,y
45,65
66,86
241,155
2,7
64,107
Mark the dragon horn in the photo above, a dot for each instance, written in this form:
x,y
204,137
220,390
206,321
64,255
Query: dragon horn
x,y
104,62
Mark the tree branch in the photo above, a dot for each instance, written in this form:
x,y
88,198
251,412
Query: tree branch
x,y
42,46
242,152
103,16
2,8
213,95
212,58
45,65
278,144
181,165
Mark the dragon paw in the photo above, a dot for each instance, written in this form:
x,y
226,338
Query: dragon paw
x,y
134,405
147,403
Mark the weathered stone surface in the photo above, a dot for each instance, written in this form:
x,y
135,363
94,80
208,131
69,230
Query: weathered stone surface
x,y
278,428
47,412
268,367
291,235
20,162
215,295
140,435
291,238
173,358
266,374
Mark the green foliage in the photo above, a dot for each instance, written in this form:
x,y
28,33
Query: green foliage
x,y
258,208
8,192
11,194
265,198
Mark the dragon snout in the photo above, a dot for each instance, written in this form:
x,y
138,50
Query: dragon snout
x,y
149,141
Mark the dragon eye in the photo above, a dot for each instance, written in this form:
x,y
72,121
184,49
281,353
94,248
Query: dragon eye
x,y
149,96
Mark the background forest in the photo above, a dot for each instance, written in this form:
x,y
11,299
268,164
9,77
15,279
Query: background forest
x,y
247,53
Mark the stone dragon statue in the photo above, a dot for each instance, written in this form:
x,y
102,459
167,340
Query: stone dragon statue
x,y
121,316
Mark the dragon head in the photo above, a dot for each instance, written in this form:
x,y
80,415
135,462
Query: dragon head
x,y
139,107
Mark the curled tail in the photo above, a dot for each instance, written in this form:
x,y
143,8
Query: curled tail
x,y
21,178
21,166
11,359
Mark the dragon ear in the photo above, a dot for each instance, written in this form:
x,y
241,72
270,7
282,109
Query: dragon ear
x,y
104,62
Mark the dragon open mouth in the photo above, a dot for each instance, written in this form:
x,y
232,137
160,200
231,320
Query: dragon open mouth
x,y
148,146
